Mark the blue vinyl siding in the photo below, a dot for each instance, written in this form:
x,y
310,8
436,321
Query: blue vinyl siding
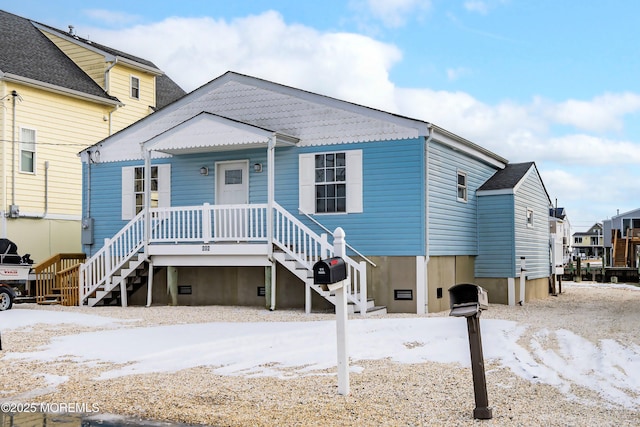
x,y
532,242
188,187
393,195
453,224
392,222
504,236
496,236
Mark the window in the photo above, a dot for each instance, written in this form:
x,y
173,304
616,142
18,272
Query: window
x,y
133,189
331,182
462,186
530,218
138,187
577,240
27,150
135,87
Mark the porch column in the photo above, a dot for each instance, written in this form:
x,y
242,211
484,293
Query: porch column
x,y
172,285
271,175
150,284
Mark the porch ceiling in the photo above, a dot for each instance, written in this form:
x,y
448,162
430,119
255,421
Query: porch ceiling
x,y
206,132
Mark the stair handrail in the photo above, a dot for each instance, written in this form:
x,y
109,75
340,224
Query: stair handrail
x,y
319,224
297,240
116,251
311,241
46,272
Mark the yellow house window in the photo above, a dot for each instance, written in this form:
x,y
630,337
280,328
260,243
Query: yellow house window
x,y
27,150
135,87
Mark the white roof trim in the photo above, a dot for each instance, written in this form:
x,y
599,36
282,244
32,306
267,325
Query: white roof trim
x,y
460,144
207,132
58,89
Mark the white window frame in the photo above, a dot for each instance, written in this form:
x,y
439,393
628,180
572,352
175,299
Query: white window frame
x,y
133,87
354,182
529,218
24,148
464,187
163,199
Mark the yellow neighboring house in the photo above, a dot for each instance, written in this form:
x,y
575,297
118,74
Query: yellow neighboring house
x,y
59,94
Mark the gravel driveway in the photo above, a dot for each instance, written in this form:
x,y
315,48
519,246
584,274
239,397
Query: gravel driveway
x,y
382,392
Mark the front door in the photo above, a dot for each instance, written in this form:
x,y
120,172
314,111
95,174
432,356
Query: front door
x,y
232,180
232,188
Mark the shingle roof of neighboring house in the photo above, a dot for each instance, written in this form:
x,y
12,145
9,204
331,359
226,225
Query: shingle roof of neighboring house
x,y
27,53
167,91
507,178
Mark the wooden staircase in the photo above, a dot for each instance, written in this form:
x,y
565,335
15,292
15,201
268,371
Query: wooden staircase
x,y
625,248
57,279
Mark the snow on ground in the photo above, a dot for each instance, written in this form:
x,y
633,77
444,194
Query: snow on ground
x,y
287,349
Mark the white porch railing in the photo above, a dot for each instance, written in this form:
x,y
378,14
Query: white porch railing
x,y
209,223
217,223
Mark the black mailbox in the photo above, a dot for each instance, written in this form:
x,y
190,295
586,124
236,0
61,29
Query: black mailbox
x,y
467,299
329,271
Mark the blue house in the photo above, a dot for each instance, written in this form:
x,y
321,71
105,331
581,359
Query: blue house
x,y
232,193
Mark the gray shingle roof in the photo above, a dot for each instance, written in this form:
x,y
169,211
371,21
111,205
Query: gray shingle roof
x,y
167,91
506,178
27,53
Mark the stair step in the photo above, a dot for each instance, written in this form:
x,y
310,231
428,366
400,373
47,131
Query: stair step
x,y
377,310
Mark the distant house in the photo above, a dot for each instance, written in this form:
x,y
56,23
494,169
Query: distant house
x,y
590,243
61,93
560,229
622,239
243,184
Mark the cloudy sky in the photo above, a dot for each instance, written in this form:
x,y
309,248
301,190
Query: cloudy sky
x,y
555,82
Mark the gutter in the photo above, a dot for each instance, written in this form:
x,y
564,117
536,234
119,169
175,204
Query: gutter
x,y
59,89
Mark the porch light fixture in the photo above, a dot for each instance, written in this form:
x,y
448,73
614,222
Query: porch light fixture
x,y
204,170
257,167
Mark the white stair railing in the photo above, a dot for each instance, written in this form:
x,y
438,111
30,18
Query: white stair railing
x,y
211,223
307,247
115,253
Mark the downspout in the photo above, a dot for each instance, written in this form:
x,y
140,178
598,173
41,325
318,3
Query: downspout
x,y
106,89
14,94
3,216
111,119
426,214
106,74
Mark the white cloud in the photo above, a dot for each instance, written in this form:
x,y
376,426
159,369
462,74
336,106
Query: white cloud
x,y
356,68
194,51
394,13
602,113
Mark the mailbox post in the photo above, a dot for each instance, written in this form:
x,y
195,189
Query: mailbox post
x,y
332,275
468,300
